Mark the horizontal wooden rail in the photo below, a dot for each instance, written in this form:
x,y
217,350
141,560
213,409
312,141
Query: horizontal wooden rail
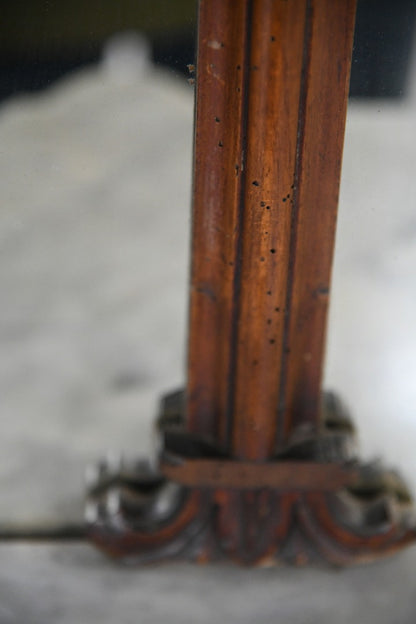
x,y
289,476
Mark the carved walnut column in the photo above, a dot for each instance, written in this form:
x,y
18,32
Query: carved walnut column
x,y
256,463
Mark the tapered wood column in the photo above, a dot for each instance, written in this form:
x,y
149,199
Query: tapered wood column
x,y
272,86
251,467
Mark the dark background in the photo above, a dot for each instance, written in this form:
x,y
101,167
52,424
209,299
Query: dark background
x,y
42,40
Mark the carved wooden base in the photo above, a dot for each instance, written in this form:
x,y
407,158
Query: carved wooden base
x,y
134,512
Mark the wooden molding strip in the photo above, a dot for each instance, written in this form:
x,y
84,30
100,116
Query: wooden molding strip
x,y
283,476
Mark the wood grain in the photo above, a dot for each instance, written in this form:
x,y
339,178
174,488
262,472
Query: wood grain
x,y
322,113
289,476
272,83
253,468
218,161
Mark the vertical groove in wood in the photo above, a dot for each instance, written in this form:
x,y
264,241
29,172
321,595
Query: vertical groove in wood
x,y
313,229
272,80
275,76
218,165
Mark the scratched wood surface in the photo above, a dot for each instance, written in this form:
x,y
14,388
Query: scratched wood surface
x,y
272,80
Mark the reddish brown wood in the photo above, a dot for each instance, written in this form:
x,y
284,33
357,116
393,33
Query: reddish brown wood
x,y
272,81
219,130
295,476
317,177
261,526
273,91
253,467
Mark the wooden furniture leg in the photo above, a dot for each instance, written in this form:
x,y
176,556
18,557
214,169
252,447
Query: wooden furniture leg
x,y
257,464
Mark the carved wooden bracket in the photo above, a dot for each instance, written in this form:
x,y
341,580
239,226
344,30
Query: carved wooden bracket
x,y
337,511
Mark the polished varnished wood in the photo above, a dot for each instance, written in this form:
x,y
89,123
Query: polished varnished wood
x,y
220,114
322,112
257,465
272,80
300,476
